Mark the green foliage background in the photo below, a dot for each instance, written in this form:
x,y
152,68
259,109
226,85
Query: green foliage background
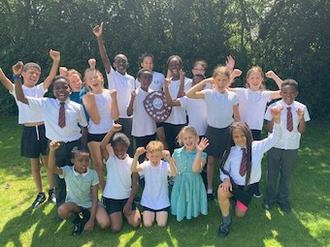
x,y
291,37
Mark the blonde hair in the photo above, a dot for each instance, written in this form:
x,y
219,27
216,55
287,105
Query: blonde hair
x,y
221,70
94,71
154,146
256,69
73,72
190,129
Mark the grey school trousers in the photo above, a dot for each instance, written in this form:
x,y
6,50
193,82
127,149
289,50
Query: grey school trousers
x,y
280,165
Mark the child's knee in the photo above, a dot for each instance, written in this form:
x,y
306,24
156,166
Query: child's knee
x,y
104,224
115,229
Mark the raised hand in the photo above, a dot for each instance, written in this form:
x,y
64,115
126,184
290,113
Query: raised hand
x,y
168,81
98,30
116,127
55,55
63,71
202,144
169,74
140,150
276,111
230,63
270,74
182,74
236,73
92,63
54,144
166,154
300,113
18,68
113,94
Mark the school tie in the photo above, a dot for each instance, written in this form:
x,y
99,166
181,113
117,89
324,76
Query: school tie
x,y
289,123
61,116
242,169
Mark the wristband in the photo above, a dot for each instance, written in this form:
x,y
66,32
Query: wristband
x,y
16,77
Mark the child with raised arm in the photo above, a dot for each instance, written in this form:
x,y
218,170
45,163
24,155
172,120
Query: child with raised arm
x,y
144,126
179,84
121,184
241,168
102,108
253,99
61,117
281,159
188,198
155,199
118,79
222,111
82,189
34,141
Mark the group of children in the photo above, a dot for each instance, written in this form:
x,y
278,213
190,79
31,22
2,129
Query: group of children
x,y
207,115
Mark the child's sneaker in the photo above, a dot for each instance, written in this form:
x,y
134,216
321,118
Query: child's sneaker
x,y
78,228
223,230
51,196
41,197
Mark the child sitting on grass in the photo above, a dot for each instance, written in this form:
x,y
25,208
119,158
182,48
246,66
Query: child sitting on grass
x,y
82,186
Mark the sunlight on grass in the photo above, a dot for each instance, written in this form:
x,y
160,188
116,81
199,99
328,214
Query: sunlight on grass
x,y
272,243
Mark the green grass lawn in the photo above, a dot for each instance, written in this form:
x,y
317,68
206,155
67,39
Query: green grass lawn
x,y
307,225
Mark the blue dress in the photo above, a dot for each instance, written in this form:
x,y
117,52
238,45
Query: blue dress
x,y
188,197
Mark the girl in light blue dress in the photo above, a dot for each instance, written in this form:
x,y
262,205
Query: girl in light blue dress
x,y
188,198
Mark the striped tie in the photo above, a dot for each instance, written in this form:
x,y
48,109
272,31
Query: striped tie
x,y
242,169
61,116
289,123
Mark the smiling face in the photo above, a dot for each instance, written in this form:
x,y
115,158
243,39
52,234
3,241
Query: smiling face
x,y
121,63
75,82
94,80
255,80
61,89
198,69
189,140
147,63
175,66
145,78
239,138
288,93
31,76
120,149
81,162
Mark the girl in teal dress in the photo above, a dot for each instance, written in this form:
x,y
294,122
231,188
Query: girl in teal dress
x,y
188,198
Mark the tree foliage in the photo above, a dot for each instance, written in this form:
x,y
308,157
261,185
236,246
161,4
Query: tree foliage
x,y
290,37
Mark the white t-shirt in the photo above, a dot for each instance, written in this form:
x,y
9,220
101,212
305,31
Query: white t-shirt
x,y
220,108
74,114
125,85
103,104
289,140
142,123
25,113
155,193
252,106
119,181
178,114
196,111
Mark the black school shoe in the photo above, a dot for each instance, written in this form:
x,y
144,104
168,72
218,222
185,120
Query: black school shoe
x,y
285,207
51,196
266,205
210,196
78,228
41,197
223,230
